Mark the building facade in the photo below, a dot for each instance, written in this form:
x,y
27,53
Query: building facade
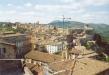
x,y
21,42
7,50
55,47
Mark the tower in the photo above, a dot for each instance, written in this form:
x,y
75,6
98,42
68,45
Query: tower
x,y
32,38
65,53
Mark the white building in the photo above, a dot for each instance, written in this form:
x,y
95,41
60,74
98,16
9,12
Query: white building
x,y
55,47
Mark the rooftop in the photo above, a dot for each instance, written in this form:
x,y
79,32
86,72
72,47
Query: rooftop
x,y
42,57
88,66
33,67
62,65
83,66
12,35
3,42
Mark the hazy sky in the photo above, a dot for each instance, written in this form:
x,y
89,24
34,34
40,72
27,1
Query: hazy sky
x,y
44,11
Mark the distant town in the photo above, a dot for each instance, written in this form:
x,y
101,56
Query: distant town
x,y
46,49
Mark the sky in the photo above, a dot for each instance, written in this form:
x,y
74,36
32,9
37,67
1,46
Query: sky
x,y
45,11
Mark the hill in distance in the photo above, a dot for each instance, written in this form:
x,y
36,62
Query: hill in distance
x,y
102,29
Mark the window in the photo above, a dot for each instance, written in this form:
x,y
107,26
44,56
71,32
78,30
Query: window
x,y
2,51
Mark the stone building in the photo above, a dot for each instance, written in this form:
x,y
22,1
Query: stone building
x,y
7,50
21,42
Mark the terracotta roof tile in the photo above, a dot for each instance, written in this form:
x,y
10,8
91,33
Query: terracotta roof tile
x,y
42,57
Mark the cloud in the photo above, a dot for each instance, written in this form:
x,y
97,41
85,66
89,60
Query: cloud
x,y
86,2
78,10
19,7
28,4
68,1
11,12
1,12
8,12
98,2
96,17
9,4
60,8
29,13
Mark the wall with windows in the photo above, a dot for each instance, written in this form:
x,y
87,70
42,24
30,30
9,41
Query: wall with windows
x,y
7,51
54,48
21,41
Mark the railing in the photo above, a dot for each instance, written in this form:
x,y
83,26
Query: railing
x,y
11,59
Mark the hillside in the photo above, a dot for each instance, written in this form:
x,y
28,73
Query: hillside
x,y
102,29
